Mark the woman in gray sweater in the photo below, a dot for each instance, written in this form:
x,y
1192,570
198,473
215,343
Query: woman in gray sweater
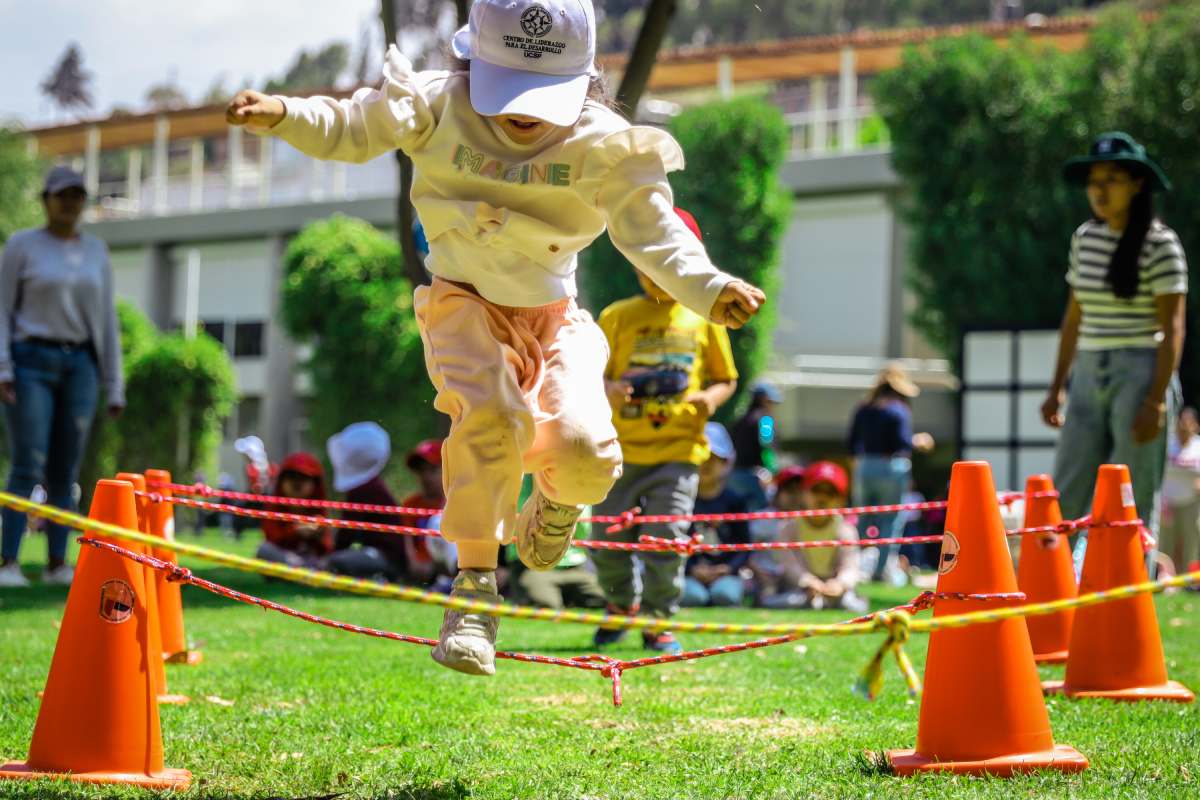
x,y
58,342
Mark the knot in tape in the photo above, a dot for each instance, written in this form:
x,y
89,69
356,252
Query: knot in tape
x,y
897,623
683,547
203,490
155,497
922,601
624,520
180,574
1070,526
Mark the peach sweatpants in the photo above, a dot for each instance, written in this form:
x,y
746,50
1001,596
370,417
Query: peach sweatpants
x,y
524,389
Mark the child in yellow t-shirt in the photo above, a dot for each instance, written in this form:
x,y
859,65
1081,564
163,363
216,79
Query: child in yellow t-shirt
x,y
669,371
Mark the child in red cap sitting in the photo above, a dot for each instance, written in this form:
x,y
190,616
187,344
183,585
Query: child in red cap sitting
x,y
814,577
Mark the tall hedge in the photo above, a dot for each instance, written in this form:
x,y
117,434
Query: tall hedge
x,y
344,292
734,150
179,392
980,133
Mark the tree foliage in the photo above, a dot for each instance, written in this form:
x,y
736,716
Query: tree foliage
x,y
20,182
345,294
69,84
980,133
178,393
166,97
312,71
734,151
702,22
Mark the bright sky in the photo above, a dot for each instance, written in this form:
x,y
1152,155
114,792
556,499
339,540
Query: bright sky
x,y
130,45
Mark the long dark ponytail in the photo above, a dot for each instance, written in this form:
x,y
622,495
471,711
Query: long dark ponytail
x,y
1124,270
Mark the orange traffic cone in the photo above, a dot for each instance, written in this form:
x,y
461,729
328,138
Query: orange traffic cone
x,y
153,602
98,722
982,710
1045,573
1116,649
170,599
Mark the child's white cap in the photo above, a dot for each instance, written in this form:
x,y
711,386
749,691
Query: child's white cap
x,y
530,57
358,453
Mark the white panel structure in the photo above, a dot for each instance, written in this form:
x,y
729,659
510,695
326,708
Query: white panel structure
x,y
1007,374
988,359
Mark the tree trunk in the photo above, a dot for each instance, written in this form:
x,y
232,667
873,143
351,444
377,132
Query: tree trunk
x,y
414,270
645,50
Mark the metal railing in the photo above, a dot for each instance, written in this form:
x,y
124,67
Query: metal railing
x,y
827,132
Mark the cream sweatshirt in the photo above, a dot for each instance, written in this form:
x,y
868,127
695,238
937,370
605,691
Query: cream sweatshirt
x,y
511,219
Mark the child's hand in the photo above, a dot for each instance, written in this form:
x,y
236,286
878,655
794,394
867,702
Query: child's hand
x,y
249,107
736,304
619,393
703,402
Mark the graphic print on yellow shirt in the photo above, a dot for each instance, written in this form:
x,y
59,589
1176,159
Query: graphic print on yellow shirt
x,y
665,352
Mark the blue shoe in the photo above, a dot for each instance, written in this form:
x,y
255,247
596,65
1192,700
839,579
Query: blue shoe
x,y
664,643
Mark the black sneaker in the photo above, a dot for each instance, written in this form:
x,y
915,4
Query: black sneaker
x,y
664,643
604,637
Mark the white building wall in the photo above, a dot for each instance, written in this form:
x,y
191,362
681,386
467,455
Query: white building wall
x,y
131,276
835,292
234,280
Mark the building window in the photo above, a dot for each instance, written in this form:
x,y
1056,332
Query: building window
x,y
248,339
214,328
249,417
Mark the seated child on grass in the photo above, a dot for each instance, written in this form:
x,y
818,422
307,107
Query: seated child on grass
x,y
301,476
818,577
715,578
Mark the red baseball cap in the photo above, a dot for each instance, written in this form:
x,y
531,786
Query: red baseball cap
x,y
788,474
826,472
690,221
429,451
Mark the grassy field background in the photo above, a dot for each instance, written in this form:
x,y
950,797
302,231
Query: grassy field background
x,y
285,709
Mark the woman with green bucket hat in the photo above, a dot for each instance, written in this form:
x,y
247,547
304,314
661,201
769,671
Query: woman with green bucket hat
x,y
1122,334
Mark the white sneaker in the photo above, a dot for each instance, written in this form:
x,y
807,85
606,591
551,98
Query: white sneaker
x,y
544,531
467,641
854,603
59,576
11,577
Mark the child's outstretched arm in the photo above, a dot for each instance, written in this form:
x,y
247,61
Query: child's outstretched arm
x,y
395,116
638,206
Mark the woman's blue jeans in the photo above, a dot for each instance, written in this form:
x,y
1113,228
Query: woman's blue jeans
x,y
881,481
57,390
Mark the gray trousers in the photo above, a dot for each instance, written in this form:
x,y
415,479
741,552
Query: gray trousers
x,y
1107,388
658,489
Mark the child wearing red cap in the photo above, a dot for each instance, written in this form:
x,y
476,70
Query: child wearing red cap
x,y
301,476
817,577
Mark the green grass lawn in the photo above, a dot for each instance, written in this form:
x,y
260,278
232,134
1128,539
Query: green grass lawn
x,y
282,708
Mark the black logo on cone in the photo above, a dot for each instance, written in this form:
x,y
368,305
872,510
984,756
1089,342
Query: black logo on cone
x,y
949,559
116,601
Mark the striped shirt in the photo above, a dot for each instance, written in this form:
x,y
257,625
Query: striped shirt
x,y
1110,322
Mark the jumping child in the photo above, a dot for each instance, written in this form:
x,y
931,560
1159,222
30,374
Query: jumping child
x,y
519,166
